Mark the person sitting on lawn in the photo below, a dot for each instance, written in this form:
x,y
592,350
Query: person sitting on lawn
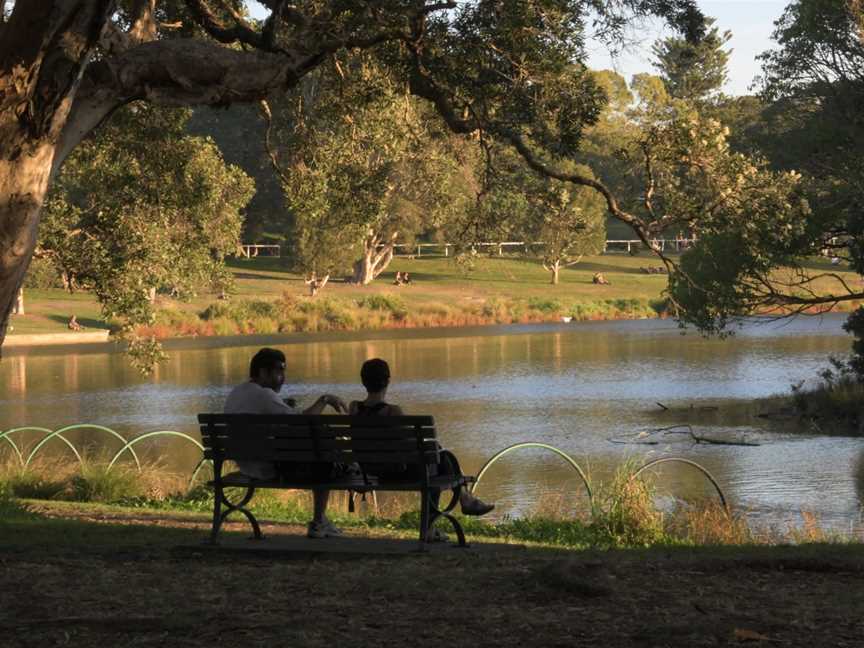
x,y
398,281
74,325
260,395
405,278
375,376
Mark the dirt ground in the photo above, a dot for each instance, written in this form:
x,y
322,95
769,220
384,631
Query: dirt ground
x,y
119,585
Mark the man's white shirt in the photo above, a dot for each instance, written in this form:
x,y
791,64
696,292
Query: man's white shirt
x,y
252,398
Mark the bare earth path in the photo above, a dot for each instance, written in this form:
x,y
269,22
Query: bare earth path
x,y
100,583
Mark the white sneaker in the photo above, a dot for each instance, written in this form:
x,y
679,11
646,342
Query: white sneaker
x,y
323,529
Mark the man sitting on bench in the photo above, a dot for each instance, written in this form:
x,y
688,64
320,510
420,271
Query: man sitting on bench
x,y
260,395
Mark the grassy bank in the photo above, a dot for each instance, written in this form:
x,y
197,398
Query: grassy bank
x,y
623,513
496,290
269,299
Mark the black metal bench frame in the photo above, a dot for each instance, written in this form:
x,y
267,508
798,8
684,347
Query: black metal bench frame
x,y
333,439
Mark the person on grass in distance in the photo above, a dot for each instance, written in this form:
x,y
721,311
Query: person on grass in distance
x,y
260,395
375,376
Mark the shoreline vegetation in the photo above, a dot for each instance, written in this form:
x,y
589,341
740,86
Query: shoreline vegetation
x,y
268,299
624,512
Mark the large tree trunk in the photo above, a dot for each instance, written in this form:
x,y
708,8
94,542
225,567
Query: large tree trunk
x,y
44,50
376,257
23,184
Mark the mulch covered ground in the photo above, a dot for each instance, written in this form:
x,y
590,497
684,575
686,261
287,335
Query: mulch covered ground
x,y
156,594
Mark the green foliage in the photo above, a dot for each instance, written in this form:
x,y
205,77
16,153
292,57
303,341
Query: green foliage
x,y
694,71
33,483
544,305
623,512
815,81
395,306
855,326
366,166
144,208
42,273
96,483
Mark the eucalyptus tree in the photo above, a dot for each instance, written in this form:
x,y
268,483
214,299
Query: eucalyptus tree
x,y
813,86
67,65
140,208
810,130
365,165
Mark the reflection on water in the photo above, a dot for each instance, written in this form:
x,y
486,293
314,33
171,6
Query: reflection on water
x,y
572,386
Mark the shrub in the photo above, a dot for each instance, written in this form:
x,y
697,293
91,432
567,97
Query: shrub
x,y
265,325
224,326
98,484
338,317
260,308
623,514
42,274
387,303
216,310
34,484
548,306
494,308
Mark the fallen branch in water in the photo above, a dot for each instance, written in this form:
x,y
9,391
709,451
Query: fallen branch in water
x,y
700,439
691,408
646,437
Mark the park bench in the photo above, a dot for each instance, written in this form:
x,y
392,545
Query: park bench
x,y
337,439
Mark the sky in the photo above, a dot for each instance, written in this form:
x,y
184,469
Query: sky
x,y
750,21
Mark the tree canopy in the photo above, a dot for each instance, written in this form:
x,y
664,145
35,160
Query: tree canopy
x,y
67,65
144,208
694,71
366,165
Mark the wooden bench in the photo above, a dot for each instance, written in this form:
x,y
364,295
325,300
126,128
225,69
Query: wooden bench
x,y
304,438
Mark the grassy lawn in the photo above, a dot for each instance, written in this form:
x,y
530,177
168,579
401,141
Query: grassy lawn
x,y
85,580
436,282
438,278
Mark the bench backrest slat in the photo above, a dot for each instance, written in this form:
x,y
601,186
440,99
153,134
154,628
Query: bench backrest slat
x,y
268,431
296,438
327,456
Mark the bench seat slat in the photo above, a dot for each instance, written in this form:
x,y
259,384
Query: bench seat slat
x,y
443,482
335,456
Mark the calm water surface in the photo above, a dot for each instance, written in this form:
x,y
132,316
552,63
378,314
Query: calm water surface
x,y
573,386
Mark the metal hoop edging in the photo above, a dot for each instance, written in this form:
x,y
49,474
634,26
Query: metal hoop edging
x,y
533,444
689,462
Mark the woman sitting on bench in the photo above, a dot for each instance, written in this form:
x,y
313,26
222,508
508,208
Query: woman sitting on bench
x,y
375,376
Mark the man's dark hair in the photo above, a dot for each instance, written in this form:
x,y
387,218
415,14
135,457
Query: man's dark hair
x,y
375,375
265,359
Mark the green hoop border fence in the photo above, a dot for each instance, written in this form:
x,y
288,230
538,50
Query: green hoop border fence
x,y
128,444
586,482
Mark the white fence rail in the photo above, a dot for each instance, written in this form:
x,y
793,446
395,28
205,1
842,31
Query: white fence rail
x,y
249,251
254,250
445,249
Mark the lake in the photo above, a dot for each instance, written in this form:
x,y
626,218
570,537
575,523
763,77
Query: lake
x,y
574,386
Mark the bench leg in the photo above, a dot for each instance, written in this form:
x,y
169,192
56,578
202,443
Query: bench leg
x,y
218,496
425,508
219,518
445,513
